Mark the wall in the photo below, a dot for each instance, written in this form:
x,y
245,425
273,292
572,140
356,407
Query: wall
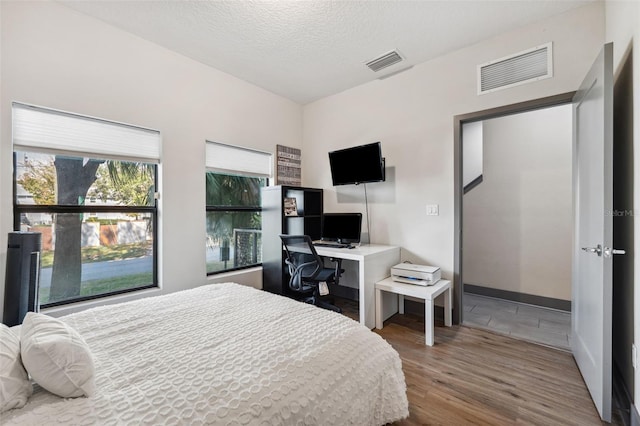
x,y
472,140
55,57
517,224
623,29
412,114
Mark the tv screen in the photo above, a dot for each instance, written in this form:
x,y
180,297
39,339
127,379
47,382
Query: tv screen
x,y
356,165
341,227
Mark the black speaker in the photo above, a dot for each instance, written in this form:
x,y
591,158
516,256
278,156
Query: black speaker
x,y
23,276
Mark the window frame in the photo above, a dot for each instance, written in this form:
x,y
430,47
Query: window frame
x,y
19,209
43,130
234,209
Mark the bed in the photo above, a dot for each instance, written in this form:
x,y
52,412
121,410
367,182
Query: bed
x,y
226,354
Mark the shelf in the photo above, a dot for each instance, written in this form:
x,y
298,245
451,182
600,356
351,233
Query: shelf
x,y
308,221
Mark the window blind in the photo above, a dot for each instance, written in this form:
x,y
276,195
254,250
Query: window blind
x,y
237,160
62,132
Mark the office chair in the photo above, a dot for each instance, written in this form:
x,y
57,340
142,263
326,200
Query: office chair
x,y
307,270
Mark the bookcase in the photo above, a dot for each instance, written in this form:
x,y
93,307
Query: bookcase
x,y
307,220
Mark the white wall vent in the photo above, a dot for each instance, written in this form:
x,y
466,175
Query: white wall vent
x,y
386,60
530,65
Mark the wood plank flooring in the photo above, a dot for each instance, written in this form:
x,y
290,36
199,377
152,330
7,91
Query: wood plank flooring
x,y
474,376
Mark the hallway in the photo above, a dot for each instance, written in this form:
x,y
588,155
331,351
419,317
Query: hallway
x,y
545,326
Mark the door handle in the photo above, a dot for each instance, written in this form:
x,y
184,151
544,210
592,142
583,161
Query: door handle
x,y
608,252
597,250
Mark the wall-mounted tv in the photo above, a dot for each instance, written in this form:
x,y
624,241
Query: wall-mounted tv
x,y
358,164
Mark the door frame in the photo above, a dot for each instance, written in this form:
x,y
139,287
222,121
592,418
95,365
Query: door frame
x,y
458,121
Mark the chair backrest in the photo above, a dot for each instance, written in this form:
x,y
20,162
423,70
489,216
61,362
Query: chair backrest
x,y
303,261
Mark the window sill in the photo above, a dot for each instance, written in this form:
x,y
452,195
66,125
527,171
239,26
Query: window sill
x,y
243,276
71,308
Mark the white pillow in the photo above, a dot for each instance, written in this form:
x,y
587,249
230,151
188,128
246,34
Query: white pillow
x,y
56,356
15,386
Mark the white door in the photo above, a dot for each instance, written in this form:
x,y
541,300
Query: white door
x,y
593,198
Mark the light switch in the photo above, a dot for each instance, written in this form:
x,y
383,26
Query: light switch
x,y
432,210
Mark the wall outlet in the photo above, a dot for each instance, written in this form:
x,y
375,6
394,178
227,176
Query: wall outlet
x,y
432,210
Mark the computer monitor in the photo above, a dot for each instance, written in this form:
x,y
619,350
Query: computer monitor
x,y
344,228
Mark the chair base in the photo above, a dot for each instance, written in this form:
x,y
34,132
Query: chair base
x,y
328,306
314,300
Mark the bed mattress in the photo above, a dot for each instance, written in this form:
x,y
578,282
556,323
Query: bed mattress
x,y
230,355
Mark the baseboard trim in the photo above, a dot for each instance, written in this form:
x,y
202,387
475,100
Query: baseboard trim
x,y
530,299
417,308
344,292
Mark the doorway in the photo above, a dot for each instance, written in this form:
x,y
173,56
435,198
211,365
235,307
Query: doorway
x,y
514,221
517,225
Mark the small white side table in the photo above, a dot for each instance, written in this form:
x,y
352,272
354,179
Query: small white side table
x,y
426,293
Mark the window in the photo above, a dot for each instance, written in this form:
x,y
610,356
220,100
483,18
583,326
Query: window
x,y
234,179
96,211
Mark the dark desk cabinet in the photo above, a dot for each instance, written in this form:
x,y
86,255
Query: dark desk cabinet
x,y
306,221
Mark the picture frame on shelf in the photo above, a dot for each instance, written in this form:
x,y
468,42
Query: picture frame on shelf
x,y
290,207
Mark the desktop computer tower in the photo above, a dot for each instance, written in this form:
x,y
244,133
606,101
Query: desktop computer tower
x,y
22,276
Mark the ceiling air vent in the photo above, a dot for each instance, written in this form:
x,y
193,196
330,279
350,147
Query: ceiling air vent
x,y
386,60
524,67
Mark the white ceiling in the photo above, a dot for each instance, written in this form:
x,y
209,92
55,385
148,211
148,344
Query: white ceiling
x,y
305,50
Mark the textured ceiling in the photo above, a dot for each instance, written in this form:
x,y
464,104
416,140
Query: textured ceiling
x,y
305,50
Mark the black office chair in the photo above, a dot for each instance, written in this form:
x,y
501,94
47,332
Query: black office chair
x,y
307,270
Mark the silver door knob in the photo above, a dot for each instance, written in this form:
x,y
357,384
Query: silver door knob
x,y
597,250
608,252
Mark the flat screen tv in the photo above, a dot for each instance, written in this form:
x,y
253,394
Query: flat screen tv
x,y
358,164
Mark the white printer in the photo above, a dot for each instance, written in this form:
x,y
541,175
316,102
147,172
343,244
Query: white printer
x,y
415,274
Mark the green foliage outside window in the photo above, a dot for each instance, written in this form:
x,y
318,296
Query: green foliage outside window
x,y
59,180
39,180
233,221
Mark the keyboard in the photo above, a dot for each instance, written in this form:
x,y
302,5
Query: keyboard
x,y
333,245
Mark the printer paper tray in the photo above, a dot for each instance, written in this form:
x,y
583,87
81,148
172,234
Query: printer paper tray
x,y
414,281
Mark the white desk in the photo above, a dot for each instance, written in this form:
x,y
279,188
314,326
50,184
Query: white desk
x,y
374,264
426,293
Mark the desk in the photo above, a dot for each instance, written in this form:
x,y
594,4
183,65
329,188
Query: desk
x,y
426,293
374,264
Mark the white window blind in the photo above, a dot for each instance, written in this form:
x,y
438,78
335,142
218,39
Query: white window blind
x,y
36,128
237,160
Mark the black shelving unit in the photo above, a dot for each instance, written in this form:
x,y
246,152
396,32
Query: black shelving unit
x,y
307,221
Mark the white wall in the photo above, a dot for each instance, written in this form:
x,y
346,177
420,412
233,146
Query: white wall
x,y
472,150
623,29
518,222
412,115
55,57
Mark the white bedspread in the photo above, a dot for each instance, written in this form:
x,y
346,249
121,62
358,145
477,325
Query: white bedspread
x,y
227,354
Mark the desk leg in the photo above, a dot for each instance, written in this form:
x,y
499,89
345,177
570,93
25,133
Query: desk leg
x,y
379,320
447,307
401,304
372,269
428,322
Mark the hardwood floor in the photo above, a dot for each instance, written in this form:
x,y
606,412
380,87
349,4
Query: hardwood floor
x,y
474,376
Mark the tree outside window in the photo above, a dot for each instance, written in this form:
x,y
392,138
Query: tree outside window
x,y
233,222
97,218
